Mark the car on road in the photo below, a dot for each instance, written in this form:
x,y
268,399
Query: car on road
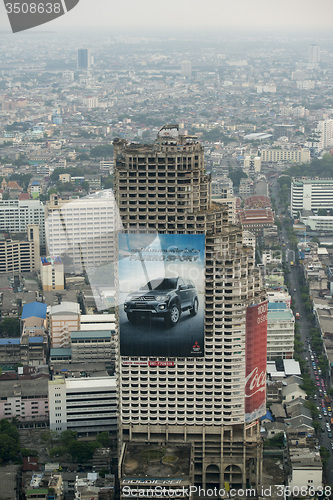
x,y
330,435
163,297
332,445
329,408
317,378
320,416
316,373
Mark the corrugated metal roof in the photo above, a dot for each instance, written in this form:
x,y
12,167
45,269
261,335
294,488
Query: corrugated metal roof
x,y
35,340
97,334
37,309
9,341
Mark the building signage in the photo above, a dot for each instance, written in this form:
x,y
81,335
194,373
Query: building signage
x,y
161,295
148,363
256,357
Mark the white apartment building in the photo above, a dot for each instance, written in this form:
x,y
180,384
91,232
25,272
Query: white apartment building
x,y
163,188
279,297
319,222
52,273
325,130
84,230
306,470
15,215
252,164
311,194
292,155
280,333
64,318
84,405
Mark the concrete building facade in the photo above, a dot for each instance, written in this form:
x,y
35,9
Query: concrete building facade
x,y
294,155
163,188
280,333
84,230
52,273
63,319
311,194
86,405
20,253
15,215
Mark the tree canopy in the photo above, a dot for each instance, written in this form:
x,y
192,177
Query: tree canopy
x,y
103,151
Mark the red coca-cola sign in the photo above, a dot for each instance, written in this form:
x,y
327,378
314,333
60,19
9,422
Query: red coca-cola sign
x,y
256,357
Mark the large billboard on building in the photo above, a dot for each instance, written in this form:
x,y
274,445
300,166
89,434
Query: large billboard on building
x,y
256,358
161,294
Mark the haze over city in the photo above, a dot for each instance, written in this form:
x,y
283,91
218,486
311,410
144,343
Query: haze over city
x,y
166,250
191,14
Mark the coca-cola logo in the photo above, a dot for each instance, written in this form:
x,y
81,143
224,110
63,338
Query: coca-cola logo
x,y
255,382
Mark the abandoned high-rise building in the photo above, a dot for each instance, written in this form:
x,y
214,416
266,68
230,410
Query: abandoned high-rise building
x,y
195,402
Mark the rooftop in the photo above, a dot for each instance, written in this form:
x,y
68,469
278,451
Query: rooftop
x,y
98,334
152,461
280,315
65,308
34,309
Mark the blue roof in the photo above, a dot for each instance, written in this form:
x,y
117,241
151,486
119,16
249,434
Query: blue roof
x,y
277,305
36,309
9,341
35,340
35,183
268,415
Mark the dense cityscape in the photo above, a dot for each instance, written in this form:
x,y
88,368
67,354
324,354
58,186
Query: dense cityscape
x,y
166,265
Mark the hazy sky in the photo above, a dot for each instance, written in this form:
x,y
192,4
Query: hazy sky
x,y
311,14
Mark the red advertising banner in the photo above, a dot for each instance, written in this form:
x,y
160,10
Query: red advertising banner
x,y
256,358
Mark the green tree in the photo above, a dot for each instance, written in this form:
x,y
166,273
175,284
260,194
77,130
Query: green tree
x,y
10,327
82,451
9,441
83,157
103,151
324,454
107,182
103,439
276,441
236,174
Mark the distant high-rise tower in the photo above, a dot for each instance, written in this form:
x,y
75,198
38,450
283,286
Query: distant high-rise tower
x,y
314,54
83,59
186,68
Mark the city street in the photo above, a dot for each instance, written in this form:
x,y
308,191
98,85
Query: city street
x,y
295,284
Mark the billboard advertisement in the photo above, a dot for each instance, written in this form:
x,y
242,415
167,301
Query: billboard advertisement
x,y
161,294
256,357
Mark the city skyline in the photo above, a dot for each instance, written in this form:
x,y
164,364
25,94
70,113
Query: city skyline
x,y
184,15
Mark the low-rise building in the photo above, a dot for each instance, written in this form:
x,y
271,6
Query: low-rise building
x,y
280,333
306,470
63,319
97,345
26,400
256,220
86,405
